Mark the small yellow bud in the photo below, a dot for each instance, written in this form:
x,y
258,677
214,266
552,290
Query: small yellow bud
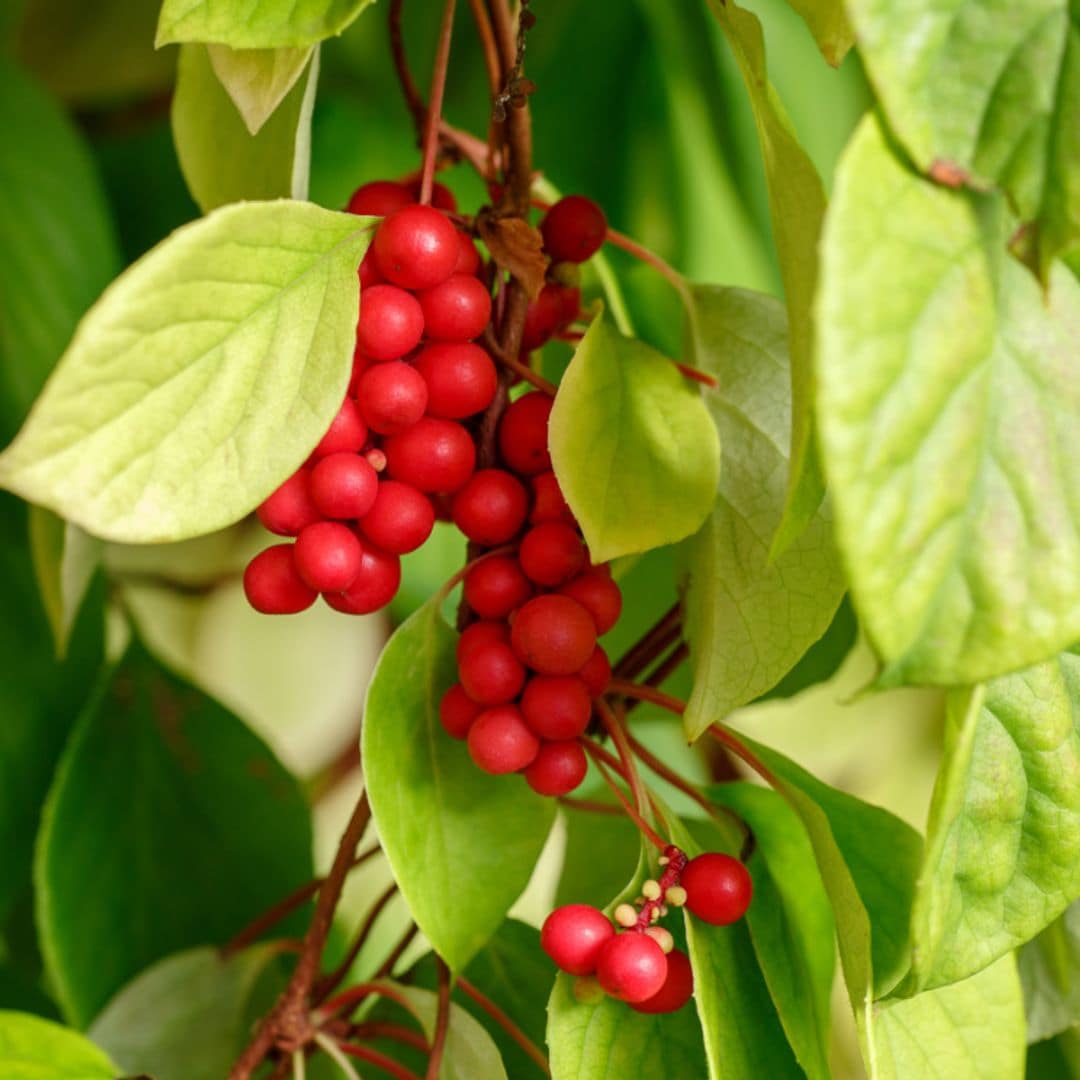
x,y
651,890
625,915
663,860
675,896
662,938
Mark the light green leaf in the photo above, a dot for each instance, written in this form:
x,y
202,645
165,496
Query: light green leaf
x,y
949,413
749,619
221,160
263,24
599,848
201,379
434,809
1050,975
828,22
632,444
257,80
36,1049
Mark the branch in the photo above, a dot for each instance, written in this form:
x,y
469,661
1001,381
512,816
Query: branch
x,y
442,1023
505,1023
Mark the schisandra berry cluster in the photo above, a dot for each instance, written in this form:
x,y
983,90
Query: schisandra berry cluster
x,y
634,959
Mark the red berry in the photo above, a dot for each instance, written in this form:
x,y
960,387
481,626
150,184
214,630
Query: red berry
x,y
599,595
457,711
718,888
596,674
556,707
574,935
458,309
379,198
441,196
343,486
551,553
677,990
375,586
491,674
557,769
416,247
548,502
481,633
570,302
434,455
553,635
272,584
290,508
368,272
461,379
543,317
347,432
391,397
328,556
491,507
391,322
496,586
523,434
574,229
631,967
400,519
468,257
501,742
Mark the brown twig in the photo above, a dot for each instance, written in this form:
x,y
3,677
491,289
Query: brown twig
x,y
384,1029
588,806
505,1023
328,983
488,46
413,101
380,1061
387,966
652,643
442,1022
434,109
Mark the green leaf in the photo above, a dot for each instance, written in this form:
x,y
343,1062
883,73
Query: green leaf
x,y
973,1029
185,1017
631,442
749,619
462,844
59,245
1003,841
257,80
599,848
221,159
949,413
828,22
264,24
36,1049
1050,975
192,796
201,379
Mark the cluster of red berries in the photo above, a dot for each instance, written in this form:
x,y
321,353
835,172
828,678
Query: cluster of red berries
x,y
363,498
638,963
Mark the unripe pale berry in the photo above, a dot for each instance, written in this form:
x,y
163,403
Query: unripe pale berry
x,y
400,519
574,935
343,485
375,586
461,379
718,888
677,990
552,553
500,741
556,706
457,711
523,434
379,198
573,229
599,595
458,309
290,508
328,556
492,674
491,507
416,247
553,635
496,586
631,967
391,397
437,456
347,431
557,769
273,585
391,322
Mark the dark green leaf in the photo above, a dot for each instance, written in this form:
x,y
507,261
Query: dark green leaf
x,y
599,849
1050,974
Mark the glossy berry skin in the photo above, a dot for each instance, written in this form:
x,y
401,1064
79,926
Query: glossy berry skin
x,y
461,379
456,310
573,229
343,486
416,247
599,595
596,674
677,990
391,397
347,431
491,507
290,508
501,742
553,635
437,456
570,298
481,633
375,586
543,317
557,769
548,503
368,272
328,556
379,198
523,434
556,707
492,674
457,711
468,257
551,553
631,967
718,888
574,936
496,586
400,519
273,585
391,322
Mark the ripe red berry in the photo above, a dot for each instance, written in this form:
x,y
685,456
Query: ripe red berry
x,y
379,198
523,434
631,967
501,742
491,507
574,935
442,198
492,674
457,711
551,553
272,584
375,586
573,229
553,635
290,508
458,309
461,379
434,455
677,990
416,247
556,707
548,503
570,298
391,397
391,322
599,595
468,257
368,272
400,519
557,769
328,556
596,674
718,888
346,432
343,486
481,633
496,586
543,317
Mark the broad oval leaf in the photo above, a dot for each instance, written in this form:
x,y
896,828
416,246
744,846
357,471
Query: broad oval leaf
x,y
264,24
949,411
159,787
1050,975
36,1049
257,80
749,619
1003,841
201,379
462,844
632,444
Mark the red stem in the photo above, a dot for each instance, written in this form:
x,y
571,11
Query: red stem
x,y
647,693
442,1022
604,761
380,1061
329,982
505,1023
434,112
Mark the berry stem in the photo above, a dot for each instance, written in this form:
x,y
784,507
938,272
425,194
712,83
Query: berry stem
x,y
344,1003
589,806
676,863
729,740
372,1057
648,693
386,968
488,45
506,1024
604,761
328,983
652,643
434,111
383,1029
442,1022
413,101
516,366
